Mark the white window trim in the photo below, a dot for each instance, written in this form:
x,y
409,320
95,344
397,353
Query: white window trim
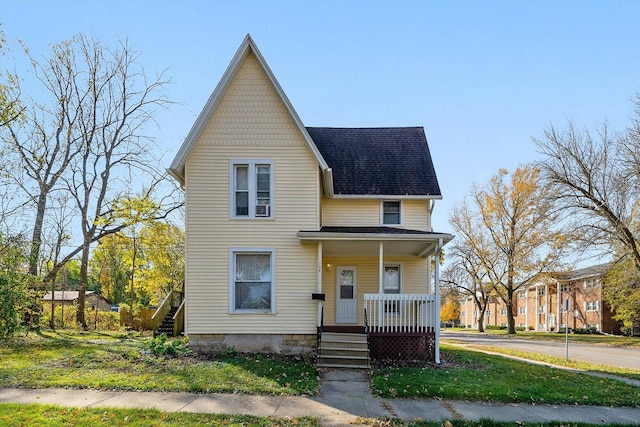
x,y
596,303
400,275
232,279
400,285
400,213
251,163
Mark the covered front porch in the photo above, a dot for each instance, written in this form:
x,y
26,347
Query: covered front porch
x,y
380,281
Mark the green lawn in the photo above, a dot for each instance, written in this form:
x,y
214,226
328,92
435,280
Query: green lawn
x,y
469,375
54,416
611,340
123,362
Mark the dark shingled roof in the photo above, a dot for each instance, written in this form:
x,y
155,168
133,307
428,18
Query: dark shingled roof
x,y
378,161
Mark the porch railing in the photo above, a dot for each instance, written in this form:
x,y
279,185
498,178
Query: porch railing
x,y
401,313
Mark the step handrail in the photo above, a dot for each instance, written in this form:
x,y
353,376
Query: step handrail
x,y
178,320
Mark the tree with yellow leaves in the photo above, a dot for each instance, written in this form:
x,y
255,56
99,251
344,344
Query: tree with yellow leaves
x,y
518,239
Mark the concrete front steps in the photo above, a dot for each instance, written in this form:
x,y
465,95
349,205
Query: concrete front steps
x,y
343,350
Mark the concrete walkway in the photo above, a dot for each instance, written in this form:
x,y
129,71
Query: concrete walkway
x,y
344,396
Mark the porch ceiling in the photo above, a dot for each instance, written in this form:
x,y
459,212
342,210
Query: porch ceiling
x,y
365,241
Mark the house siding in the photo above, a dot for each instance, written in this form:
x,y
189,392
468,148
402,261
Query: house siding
x,y
366,212
251,122
414,280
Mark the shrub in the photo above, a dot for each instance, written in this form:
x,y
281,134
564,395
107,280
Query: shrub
x,y
162,346
495,327
586,331
520,328
65,317
13,298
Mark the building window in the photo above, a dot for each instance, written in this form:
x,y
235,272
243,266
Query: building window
x,y
522,294
391,213
391,285
503,312
591,305
463,314
488,313
541,292
591,283
522,310
252,280
541,309
564,288
251,189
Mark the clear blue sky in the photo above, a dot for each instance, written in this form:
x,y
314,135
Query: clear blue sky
x,y
481,77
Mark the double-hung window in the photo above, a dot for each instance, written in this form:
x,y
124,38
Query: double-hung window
x,y
591,305
391,212
252,280
391,285
251,189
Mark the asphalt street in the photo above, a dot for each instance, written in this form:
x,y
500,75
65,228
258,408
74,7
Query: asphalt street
x,y
612,356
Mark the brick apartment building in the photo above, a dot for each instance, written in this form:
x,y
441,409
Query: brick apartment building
x,y
541,307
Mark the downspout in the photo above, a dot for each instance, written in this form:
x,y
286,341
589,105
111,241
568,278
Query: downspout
x,y
436,285
319,280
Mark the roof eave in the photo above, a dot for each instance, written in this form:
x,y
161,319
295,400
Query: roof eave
x,y
389,196
316,236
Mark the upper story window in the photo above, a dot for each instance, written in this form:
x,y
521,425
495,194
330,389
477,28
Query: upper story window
x,y
591,283
391,212
251,189
522,294
541,292
591,305
564,288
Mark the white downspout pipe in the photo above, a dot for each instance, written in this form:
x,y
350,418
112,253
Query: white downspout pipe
x,y
319,281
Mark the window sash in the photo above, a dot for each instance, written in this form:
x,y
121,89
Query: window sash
x,y
252,278
390,212
251,185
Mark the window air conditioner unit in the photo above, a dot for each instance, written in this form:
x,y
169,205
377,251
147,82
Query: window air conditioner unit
x,y
262,210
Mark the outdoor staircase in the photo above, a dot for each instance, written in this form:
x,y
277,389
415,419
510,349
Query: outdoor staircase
x,y
343,350
166,327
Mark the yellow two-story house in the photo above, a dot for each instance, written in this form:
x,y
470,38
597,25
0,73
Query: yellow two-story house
x,y
305,238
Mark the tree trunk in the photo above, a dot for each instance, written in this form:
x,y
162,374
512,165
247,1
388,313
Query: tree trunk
x,y
36,237
481,321
84,267
511,321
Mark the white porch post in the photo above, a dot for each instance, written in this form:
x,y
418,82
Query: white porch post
x,y
558,305
436,286
381,269
319,281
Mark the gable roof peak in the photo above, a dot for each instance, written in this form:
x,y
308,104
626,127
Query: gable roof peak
x,y
247,46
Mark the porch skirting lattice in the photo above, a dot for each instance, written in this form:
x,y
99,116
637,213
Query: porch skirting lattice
x,y
403,346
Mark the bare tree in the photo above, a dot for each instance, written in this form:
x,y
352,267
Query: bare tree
x,y
466,270
45,139
596,180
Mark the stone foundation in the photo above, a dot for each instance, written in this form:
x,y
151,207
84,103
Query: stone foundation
x,y
254,343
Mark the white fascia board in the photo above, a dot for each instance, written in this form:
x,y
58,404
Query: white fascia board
x,y
177,166
315,236
387,196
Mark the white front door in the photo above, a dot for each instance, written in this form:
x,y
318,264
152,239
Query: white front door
x,y
347,295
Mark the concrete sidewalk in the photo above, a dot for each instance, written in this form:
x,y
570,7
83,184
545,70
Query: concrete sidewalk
x,y
344,396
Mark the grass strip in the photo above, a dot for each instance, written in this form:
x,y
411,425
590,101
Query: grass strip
x,y
480,423
34,415
123,363
470,375
559,361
